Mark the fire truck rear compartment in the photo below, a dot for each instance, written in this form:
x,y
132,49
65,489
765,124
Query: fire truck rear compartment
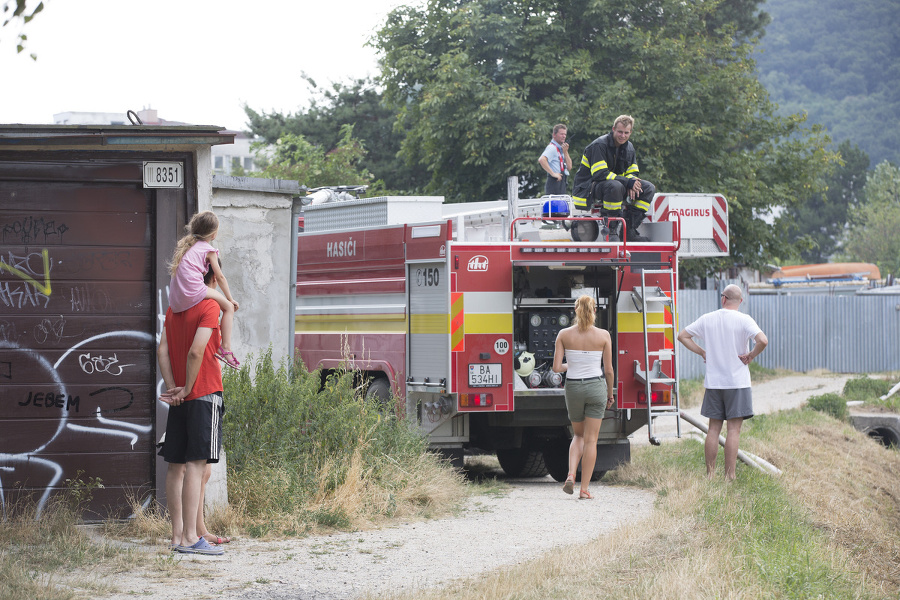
x,y
538,430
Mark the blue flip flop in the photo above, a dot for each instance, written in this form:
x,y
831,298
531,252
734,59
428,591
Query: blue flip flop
x,y
201,547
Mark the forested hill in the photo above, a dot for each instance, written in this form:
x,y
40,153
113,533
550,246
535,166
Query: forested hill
x,y
838,60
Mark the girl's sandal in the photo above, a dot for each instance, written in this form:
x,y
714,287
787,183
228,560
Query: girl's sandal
x,y
569,485
214,539
585,495
227,357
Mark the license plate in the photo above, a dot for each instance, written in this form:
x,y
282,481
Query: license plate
x,y
485,375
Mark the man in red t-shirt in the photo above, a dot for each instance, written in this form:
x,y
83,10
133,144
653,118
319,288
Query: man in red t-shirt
x,y
193,378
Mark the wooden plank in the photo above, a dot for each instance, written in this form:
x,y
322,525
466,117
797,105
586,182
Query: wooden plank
x,y
93,170
97,263
62,331
118,400
21,437
41,197
68,228
67,297
101,367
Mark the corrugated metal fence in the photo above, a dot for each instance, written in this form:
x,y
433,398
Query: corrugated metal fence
x,y
843,334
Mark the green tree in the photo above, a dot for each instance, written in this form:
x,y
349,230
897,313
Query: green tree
x,y
293,157
873,233
359,104
16,11
819,222
478,86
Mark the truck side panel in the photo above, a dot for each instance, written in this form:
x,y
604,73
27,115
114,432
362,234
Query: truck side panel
x,y
351,301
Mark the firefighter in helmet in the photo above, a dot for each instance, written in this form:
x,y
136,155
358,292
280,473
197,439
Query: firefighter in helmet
x,y
609,176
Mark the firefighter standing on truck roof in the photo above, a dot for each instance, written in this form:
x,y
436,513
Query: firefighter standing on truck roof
x,y
609,174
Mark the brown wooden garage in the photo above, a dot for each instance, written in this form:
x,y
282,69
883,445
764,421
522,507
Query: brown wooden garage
x,y
83,252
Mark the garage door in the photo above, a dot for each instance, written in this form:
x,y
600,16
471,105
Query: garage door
x,y
77,340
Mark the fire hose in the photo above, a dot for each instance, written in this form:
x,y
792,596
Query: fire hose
x,y
747,458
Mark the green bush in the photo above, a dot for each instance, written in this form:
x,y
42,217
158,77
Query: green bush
x,y
832,404
866,388
291,445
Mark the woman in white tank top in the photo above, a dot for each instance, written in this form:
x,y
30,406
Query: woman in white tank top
x,y
590,381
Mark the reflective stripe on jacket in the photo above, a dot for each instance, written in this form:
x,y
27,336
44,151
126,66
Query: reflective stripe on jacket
x,y
601,161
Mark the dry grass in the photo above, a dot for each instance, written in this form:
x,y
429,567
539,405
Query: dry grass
x,y
51,558
692,391
827,528
851,487
423,488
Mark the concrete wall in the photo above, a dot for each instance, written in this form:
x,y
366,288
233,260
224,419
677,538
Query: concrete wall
x,y
255,245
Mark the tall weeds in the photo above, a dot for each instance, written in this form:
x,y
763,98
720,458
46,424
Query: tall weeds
x,y
302,454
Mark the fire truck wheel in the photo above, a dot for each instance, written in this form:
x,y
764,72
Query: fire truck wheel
x,y
556,457
522,462
379,391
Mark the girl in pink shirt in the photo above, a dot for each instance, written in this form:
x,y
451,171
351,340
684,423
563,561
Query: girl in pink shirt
x,y
193,257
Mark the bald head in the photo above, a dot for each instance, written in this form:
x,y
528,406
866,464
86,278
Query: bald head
x,y
732,296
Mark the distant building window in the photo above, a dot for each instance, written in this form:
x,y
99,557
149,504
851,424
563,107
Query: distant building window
x,y
218,163
248,163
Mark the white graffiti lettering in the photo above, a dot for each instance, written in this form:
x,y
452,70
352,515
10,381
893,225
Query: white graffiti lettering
x,y
32,264
85,300
21,295
98,364
8,332
51,329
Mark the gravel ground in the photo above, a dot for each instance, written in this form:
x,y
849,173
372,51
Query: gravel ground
x,y
492,531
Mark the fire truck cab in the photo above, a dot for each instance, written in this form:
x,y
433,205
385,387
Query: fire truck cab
x,y
453,311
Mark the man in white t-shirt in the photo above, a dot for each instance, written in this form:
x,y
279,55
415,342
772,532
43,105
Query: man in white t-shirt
x,y
727,333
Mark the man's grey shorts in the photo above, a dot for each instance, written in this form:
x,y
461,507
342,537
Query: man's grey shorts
x,y
727,404
586,398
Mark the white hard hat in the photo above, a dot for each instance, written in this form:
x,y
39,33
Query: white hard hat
x,y
524,363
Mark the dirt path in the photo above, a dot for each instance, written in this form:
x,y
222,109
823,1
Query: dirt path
x,y
783,393
491,531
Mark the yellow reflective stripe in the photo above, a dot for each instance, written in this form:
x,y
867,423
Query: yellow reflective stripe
x,y
612,205
597,166
631,322
489,323
585,162
435,323
632,169
384,323
611,175
580,202
644,206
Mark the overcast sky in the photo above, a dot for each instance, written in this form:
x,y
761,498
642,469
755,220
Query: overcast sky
x,y
197,61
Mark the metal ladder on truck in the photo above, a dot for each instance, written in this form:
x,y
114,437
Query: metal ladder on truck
x,y
642,297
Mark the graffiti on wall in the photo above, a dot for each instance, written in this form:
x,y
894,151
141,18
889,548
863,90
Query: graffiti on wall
x,y
53,378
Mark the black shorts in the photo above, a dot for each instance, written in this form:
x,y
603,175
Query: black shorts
x,y
194,430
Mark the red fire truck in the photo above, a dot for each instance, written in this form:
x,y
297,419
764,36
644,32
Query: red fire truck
x,y
453,311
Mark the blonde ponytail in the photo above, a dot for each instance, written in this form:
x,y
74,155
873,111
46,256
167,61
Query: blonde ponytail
x,y
585,309
202,226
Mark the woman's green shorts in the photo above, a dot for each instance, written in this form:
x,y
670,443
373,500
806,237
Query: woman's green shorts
x,y
586,399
